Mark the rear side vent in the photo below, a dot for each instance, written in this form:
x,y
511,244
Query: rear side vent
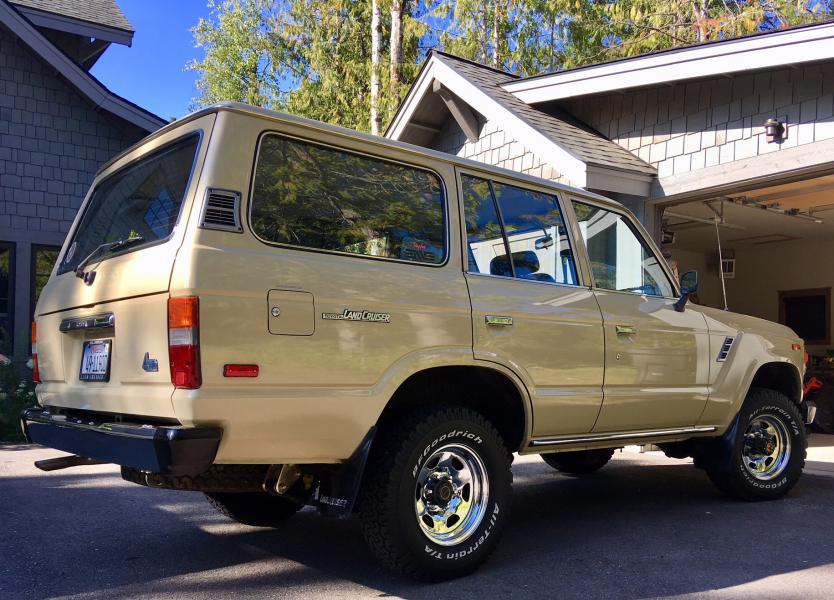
x,y
221,211
725,349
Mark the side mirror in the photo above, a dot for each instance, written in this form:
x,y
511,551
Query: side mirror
x,y
689,285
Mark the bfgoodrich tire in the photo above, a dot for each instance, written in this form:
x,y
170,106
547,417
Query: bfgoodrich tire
x,y
762,455
436,493
581,462
258,509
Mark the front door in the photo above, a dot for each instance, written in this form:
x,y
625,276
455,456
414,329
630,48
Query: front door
x,y
656,358
529,311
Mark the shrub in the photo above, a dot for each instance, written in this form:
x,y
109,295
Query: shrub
x,y
16,393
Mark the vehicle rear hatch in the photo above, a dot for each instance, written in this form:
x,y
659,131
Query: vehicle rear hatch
x,y
102,338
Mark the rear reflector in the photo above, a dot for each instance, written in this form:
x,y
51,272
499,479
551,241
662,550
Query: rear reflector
x,y
240,370
184,342
36,374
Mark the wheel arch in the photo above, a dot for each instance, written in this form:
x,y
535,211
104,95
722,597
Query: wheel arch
x,y
492,391
781,377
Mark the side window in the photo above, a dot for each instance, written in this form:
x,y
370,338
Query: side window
x,y
537,235
620,260
323,198
486,248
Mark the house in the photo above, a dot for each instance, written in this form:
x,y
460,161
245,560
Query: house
x,y
58,124
729,141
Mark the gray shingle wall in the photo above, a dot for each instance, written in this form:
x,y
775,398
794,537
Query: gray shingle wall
x,y
51,143
691,126
494,147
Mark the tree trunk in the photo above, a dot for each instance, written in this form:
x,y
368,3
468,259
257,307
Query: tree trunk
x,y
396,44
375,52
496,35
699,16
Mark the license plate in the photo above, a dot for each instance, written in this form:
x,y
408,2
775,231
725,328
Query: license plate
x,y
95,361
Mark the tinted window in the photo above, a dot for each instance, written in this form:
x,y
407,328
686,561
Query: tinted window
x,y
141,200
316,197
620,260
485,240
537,235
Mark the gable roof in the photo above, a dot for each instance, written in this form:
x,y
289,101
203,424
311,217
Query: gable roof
x,y
768,50
100,12
86,84
575,137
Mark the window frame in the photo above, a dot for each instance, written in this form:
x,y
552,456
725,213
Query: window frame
x,y
444,201
646,240
33,252
199,133
806,293
491,179
12,289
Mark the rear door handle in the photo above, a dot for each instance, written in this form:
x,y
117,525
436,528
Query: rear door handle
x,y
626,329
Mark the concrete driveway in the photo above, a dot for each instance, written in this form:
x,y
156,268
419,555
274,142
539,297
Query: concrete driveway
x,y
643,527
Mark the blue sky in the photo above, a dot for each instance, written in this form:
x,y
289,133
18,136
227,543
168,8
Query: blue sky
x,y
152,73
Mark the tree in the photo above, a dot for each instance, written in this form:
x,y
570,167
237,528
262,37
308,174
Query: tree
x,y
396,48
375,56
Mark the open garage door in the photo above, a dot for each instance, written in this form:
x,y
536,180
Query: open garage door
x,y
778,253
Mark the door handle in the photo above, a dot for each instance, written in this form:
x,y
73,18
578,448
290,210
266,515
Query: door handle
x,y
626,329
498,320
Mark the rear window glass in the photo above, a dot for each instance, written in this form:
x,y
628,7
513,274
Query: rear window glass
x,y
142,200
322,198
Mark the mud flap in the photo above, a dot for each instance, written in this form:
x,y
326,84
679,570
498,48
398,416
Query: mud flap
x,y
336,492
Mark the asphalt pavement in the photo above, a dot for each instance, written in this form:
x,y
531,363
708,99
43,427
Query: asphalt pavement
x,y
643,527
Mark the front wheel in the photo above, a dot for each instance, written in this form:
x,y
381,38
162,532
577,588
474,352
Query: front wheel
x,y
437,493
762,455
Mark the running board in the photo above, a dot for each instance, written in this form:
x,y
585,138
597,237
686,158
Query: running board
x,y
606,437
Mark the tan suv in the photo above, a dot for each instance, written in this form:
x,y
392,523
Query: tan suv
x,y
281,313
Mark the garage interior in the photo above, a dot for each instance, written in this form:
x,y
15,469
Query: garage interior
x,y
777,242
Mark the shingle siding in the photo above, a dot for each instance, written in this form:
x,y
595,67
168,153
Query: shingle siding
x,y
694,125
495,147
52,142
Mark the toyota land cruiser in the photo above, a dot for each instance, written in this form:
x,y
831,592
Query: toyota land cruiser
x,y
280,313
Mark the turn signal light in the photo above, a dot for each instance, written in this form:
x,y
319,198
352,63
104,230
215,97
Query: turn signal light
x,y
184,342
36,374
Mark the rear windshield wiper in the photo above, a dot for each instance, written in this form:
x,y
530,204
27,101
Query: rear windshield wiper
x,y
110,247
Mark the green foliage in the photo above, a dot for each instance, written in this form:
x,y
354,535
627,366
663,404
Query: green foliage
x,y
313,57
16,393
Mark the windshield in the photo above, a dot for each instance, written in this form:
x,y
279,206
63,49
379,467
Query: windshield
x,y
143,200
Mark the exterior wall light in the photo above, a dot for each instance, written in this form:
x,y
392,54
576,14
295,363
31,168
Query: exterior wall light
x,y
774,131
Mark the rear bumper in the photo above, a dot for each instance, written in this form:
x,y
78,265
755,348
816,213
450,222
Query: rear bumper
x,y
174,450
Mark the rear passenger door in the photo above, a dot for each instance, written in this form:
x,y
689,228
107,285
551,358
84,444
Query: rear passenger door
x,y
656,358
530,309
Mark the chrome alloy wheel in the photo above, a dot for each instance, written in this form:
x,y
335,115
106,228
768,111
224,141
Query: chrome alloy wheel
x,y
767,447
451,495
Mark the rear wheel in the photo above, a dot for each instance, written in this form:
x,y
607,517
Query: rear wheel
x,y
580,462
436,494
762,455
253,508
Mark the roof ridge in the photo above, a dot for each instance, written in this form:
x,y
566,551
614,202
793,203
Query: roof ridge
x,y
472,62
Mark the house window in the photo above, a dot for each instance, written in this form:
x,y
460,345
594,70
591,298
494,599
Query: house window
x,y
43,259
808,313
6,297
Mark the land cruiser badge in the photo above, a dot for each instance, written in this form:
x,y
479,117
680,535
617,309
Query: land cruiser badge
x,y
358,315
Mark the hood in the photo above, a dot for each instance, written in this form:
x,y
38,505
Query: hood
x,y
719,320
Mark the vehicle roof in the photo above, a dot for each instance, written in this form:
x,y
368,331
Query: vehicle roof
x,y
271,115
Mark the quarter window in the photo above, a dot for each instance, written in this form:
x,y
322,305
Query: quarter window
x,y
327,199
533,242
620,260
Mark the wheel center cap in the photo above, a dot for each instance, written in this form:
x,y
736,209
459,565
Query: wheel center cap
x,y
439,492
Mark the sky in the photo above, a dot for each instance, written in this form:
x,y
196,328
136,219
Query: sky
x,y
151,73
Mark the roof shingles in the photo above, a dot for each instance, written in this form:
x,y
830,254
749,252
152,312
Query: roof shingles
x,y
588,146
100,12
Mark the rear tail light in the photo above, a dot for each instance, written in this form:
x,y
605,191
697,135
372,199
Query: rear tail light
x,y
184,342
36,374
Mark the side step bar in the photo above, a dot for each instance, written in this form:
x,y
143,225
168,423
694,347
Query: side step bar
x,y
631,435
65,462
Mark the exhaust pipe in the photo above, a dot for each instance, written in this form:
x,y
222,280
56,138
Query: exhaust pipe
x,y
65,462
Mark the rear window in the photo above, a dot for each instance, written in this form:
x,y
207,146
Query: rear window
x,y
327,199
142,200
